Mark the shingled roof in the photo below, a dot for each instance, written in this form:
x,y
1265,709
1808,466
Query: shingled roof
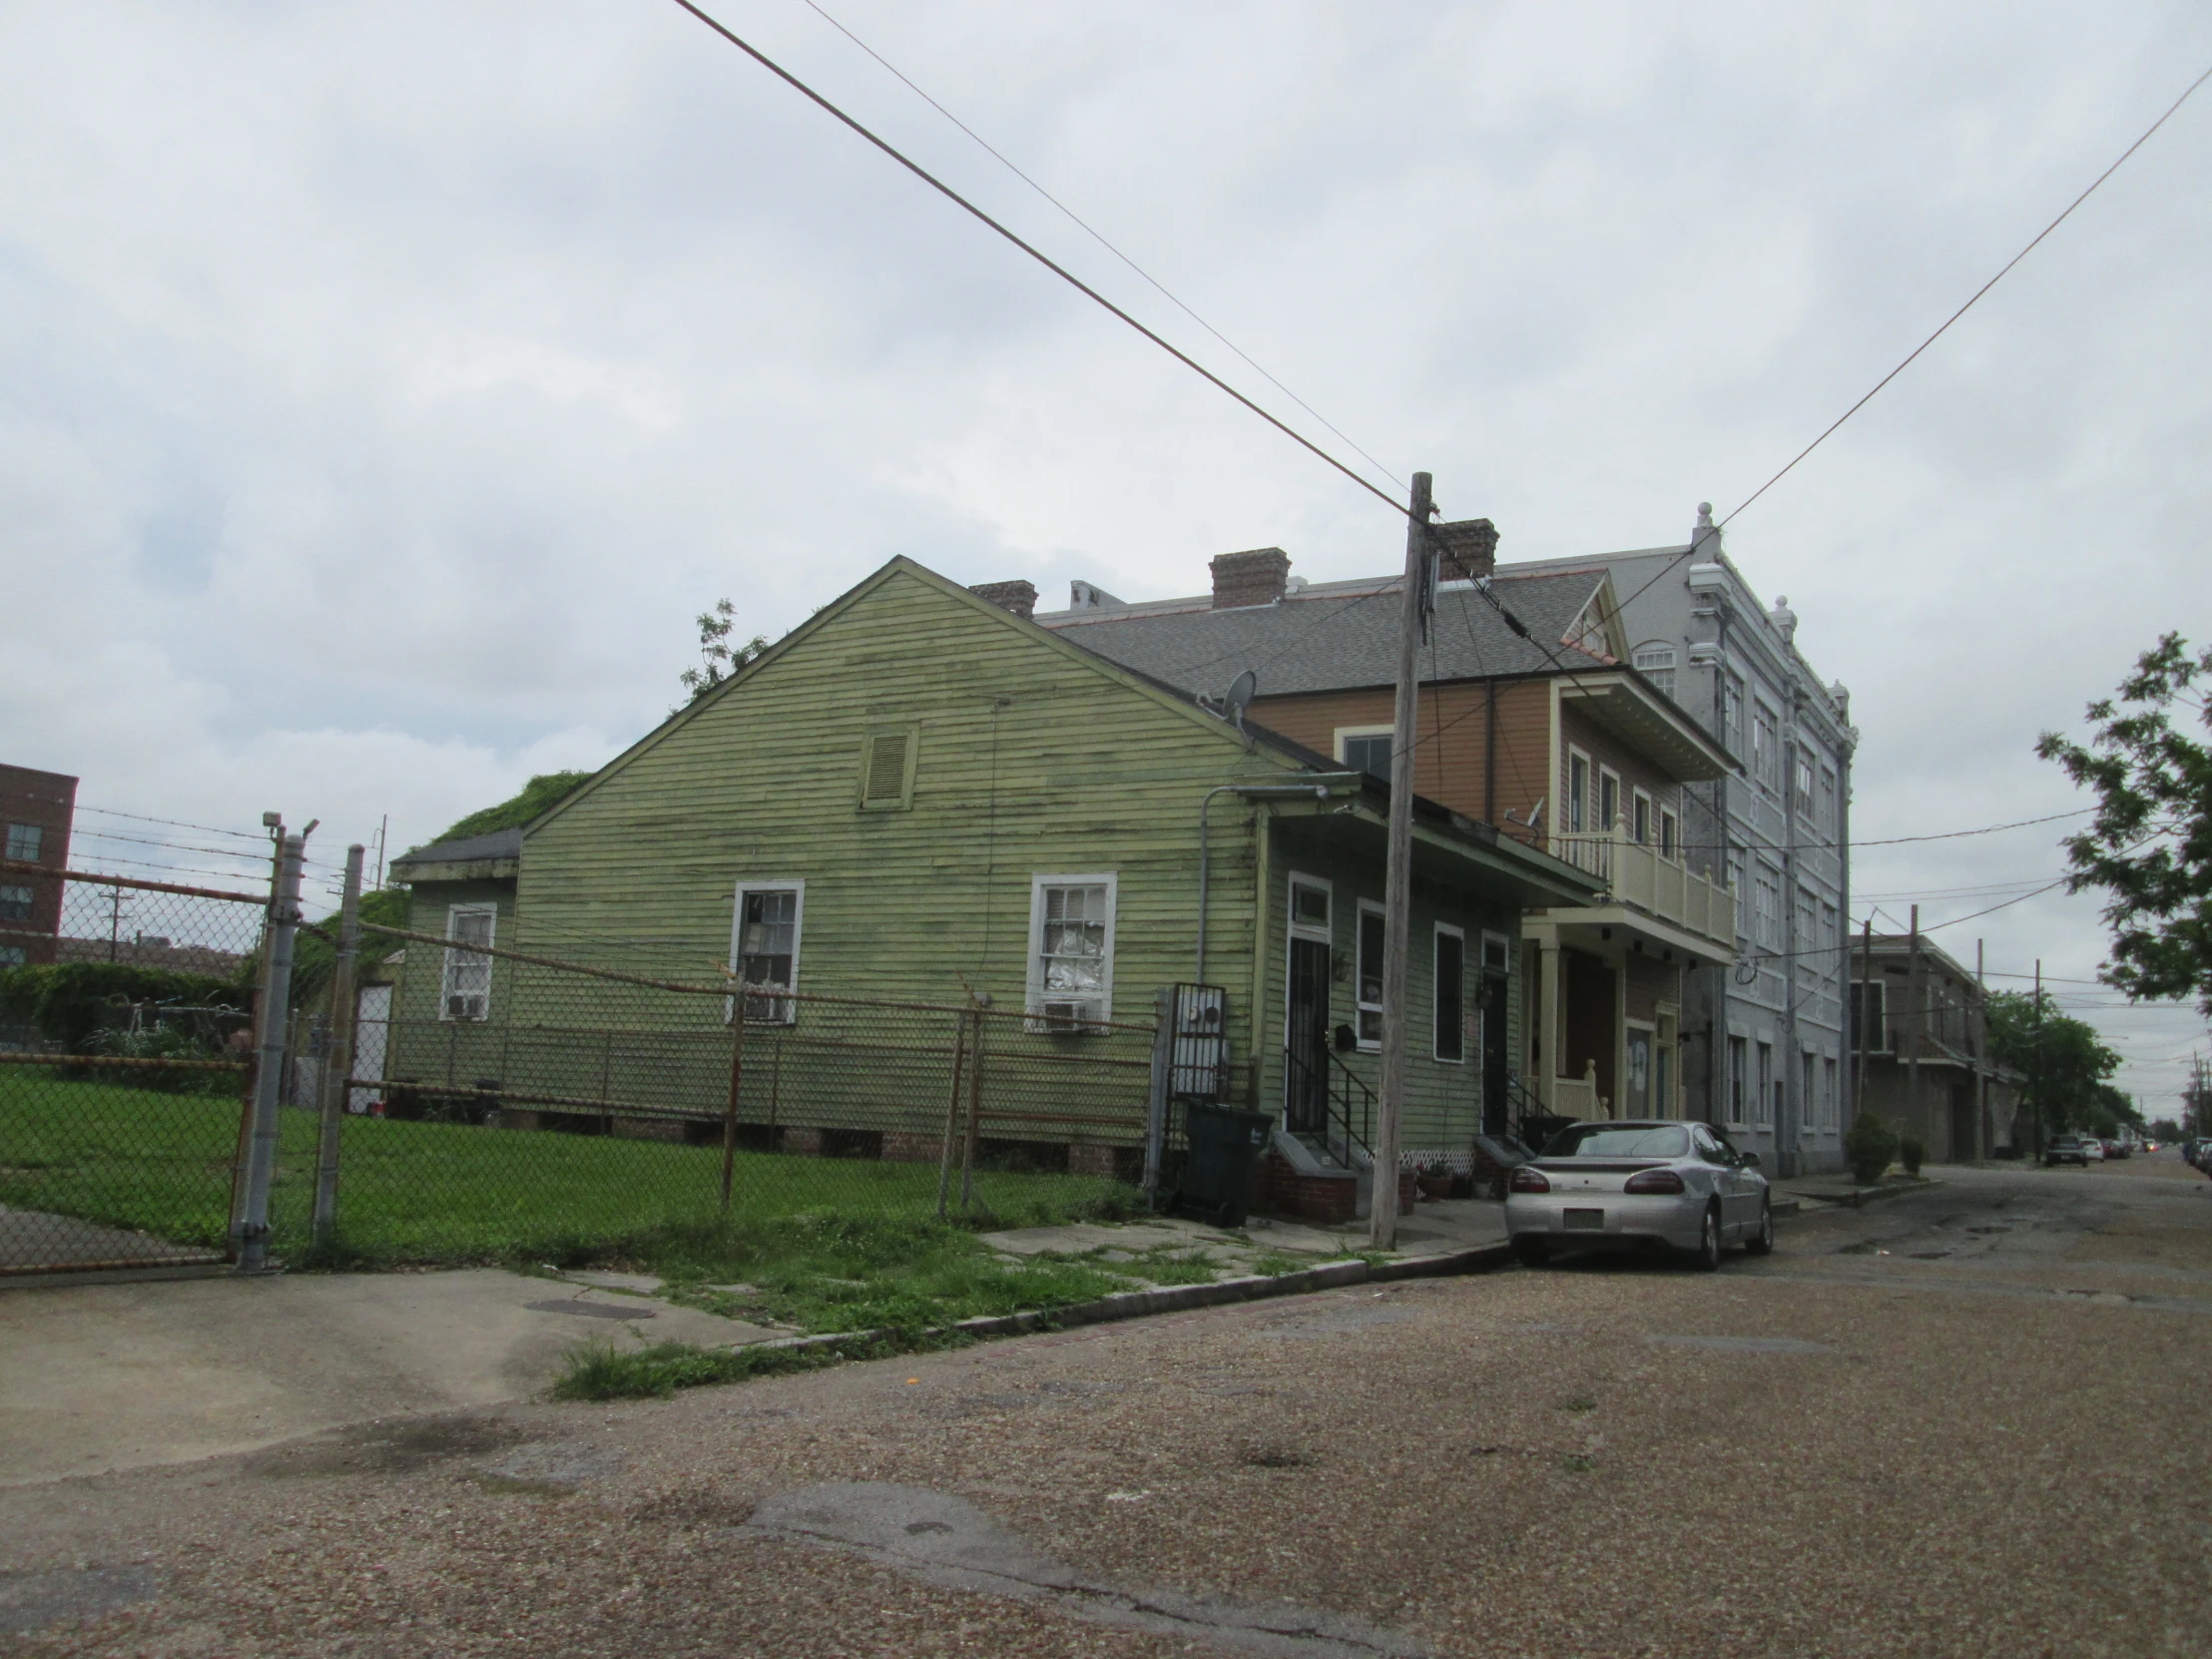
x,y
1338,635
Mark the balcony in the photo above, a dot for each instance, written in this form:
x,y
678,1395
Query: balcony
x,y
1661,887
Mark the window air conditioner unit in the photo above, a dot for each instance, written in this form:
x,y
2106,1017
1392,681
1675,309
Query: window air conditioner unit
x,y
467,1005
1067,1016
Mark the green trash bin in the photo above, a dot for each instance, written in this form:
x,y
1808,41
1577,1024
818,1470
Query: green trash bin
x,y
1225,1146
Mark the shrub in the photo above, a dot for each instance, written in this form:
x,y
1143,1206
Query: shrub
x,y
1870,1146
69,1001
1910,1153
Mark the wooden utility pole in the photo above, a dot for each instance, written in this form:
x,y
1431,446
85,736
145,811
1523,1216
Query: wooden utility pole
x,y
1913,992
1984,1137
2035,1076
1398,888
1865,1016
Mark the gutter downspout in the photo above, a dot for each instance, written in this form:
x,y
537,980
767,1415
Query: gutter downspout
x,y
1323,786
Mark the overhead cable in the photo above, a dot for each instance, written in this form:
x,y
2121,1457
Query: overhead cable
x,y
1088,229
1045,260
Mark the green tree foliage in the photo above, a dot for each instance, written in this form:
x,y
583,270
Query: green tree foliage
x,y
718,660
543,792
68,1002
2065,1062
2151,847
1869,1144
2165,1129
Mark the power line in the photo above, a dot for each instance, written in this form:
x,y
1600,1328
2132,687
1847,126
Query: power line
x,y
1051,264
1088,229
1699,541
177,823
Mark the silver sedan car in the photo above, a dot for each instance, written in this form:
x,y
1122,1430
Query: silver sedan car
x,y
1639,1186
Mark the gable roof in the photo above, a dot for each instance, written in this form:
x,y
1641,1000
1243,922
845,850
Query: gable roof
x,y
1335,636
444,861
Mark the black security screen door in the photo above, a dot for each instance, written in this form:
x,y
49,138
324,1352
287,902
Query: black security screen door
x,y
1305,1093
1492,1005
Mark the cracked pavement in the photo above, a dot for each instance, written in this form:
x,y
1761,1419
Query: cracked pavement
x,y
1966,1421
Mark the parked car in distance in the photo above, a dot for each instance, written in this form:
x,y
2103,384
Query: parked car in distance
x,y
2094,1148
2068,1149
1638,1185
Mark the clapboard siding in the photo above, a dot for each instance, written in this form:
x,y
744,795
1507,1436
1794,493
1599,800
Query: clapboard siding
x,y
1031,758
1449,755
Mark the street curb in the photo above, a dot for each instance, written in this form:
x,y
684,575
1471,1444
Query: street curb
x,y
1857,1198
1176,1299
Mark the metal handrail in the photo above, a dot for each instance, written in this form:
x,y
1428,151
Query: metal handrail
x,y
1341,1095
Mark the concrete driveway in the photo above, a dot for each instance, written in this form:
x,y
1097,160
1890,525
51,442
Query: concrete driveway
x,y
107,1377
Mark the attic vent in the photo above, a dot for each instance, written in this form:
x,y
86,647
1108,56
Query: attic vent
x,y
886,769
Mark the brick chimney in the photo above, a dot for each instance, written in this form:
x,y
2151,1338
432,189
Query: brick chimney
x,y
1255,578
1465,550
1018,597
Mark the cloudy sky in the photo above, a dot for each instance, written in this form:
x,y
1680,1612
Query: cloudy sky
x,y
385,386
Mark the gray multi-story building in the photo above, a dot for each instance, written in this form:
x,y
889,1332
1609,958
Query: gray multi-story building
x,y
1764,1040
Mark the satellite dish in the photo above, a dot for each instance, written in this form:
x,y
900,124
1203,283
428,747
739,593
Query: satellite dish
x,y
1233,705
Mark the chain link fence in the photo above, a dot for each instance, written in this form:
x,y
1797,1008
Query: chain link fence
x,y
444,1101
126,1035
498,1103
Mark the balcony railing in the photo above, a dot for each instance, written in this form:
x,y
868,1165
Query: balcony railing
x,y
1640,877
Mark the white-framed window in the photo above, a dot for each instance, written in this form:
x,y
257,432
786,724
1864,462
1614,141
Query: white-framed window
x,y
1656,662
1451,983
1368,973
1739,1063
16,900
25,842
1071,950
1640,818
1608,801
11,955
1766,751
1309,906
1828,820
1670,833
1732,714
1830,1100
1830,922
1766,921
1366,749
1761,1103
765,923
465,990
1578,791
1801,785
1807,1109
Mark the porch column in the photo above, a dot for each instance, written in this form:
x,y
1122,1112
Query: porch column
x,y
1547,1021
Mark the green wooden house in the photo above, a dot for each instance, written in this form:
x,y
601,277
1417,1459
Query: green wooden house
x,y
922,797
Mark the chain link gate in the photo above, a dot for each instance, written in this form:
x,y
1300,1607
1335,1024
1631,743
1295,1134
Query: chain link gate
x,y
126,1059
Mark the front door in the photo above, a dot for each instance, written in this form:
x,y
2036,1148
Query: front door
x,y
1490,1005
1636,1096
1306,1084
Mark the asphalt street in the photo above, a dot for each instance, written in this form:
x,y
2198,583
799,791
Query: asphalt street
x,y
1971,1420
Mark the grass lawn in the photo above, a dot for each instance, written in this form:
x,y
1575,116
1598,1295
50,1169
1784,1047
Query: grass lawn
x,y
817,1243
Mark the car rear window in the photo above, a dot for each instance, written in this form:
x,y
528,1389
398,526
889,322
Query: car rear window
x,y
1599,1140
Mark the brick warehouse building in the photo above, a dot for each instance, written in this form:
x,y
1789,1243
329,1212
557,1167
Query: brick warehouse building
x,y
37,809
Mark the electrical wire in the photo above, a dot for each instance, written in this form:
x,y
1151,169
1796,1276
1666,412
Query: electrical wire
x,y
177,823
1051,264
1699,541
1090,231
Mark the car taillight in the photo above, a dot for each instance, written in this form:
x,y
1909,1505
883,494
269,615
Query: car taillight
x,y
1528,1180
1653,1180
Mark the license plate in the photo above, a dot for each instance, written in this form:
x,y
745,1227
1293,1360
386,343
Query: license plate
x,y
1593,1221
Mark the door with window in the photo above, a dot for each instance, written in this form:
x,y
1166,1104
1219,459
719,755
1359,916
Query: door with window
x,y
1491,1009
1637,1095
1305,1026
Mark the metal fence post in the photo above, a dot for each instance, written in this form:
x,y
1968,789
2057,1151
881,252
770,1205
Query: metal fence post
x,y
338,1059
730,1110
951,1114
1155,1102
972,1142
268,1077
